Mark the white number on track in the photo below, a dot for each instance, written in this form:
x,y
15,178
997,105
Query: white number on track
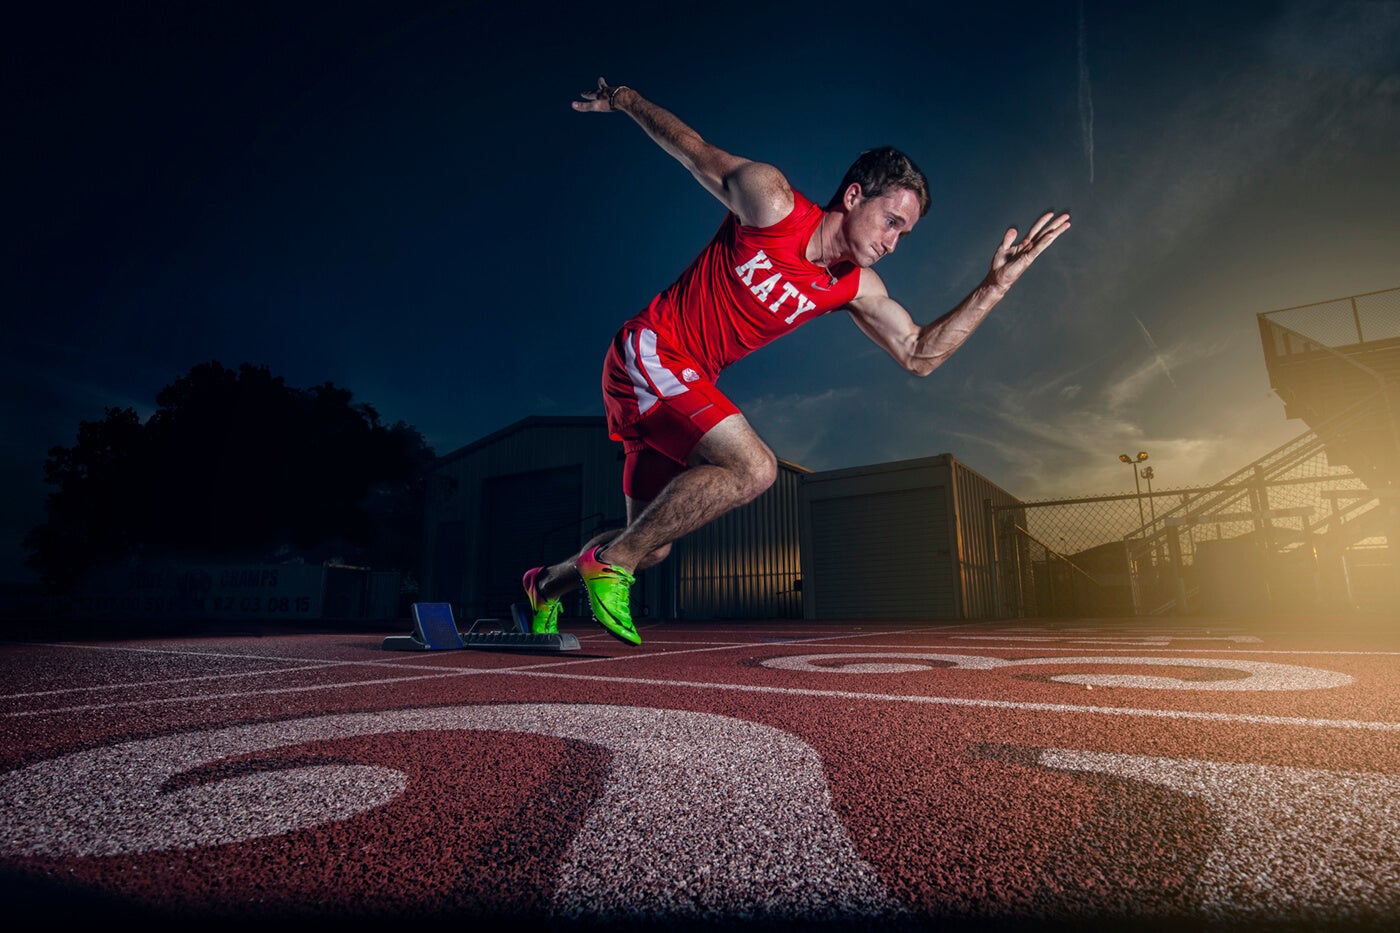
x,y
1258,675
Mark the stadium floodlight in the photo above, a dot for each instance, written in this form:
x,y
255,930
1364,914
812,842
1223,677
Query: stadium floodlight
x,y
1147,474
1141,456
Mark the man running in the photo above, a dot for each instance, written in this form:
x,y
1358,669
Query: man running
x,y
777,262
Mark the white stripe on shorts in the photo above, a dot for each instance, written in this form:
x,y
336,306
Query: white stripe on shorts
x,y
646,371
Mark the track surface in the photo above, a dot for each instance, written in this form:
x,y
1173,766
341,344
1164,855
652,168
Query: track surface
x,y
1197,774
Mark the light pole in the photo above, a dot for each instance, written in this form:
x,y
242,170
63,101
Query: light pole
x,y
1134,461
1151,503
1152,506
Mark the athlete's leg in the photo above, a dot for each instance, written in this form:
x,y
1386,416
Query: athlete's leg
x,y
733,467
558,580
690,458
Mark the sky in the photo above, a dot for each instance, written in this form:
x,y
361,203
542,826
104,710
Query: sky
x,y
397,197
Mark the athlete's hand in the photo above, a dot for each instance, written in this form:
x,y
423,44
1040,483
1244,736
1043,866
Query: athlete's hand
x,y
599,100
1012,259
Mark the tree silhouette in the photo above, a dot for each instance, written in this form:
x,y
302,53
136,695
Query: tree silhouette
x,y
233,465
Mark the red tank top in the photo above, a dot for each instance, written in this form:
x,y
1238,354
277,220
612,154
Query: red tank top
x,y
750,286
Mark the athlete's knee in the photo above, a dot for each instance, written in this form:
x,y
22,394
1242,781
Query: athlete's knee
x,y
749,463
760,472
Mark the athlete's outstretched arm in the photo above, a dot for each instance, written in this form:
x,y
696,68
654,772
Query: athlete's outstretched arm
x,y
921,350
756,192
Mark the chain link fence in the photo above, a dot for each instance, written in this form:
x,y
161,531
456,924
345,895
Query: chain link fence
x,y
1293,530
1308,526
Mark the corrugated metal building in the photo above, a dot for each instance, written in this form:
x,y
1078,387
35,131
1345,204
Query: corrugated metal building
x,y
537,490
744,565
531,492
902,540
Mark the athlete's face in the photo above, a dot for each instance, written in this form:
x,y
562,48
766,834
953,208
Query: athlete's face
x,y
875,225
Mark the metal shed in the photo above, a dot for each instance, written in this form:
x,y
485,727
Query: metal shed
x,y
744,565
538,489
530,492
901,540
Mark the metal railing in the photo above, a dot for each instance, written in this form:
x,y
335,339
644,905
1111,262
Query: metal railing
x,y
1036,580
1312,523
1292,528
1356,319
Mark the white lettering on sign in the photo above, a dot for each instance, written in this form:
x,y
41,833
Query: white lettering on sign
x,y
249,577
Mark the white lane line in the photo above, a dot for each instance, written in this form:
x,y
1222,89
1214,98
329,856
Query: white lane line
x,y
405,664
910,646
1027,645
1373,725
436,673
192,699
1248,718
139,684
535,671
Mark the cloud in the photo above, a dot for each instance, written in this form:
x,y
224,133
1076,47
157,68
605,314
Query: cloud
x,y
800,427
1320,80
1086,97
1152,345
1126,390
1136,331
1064,443
57,401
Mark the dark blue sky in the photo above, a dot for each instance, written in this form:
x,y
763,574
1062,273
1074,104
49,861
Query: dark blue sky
x,y
397,197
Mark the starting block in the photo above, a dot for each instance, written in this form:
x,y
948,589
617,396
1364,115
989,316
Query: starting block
x,y
434,629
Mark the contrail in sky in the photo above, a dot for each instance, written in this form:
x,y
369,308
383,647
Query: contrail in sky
x,y
1086,98
1152,345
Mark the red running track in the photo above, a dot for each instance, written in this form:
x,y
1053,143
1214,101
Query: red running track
x,y
1166,774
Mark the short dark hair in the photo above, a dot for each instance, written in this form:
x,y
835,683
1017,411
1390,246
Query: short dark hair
x,y
880,170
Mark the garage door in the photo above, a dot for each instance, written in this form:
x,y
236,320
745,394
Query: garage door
x,y
527,519
882,556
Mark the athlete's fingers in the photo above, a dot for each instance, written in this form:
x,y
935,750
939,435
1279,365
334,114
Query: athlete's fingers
x,y
1040,225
